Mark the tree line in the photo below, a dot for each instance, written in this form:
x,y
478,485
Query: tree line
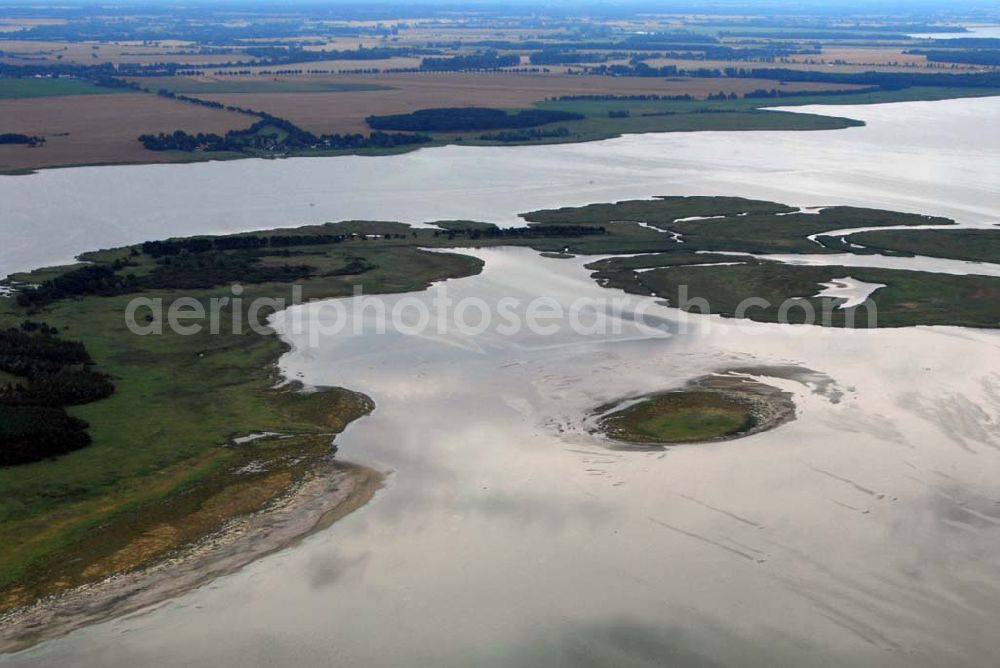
x,y
16,138
480,61
272,134
628,98
885,80
159,249
95,279
452,119
971,57
51,373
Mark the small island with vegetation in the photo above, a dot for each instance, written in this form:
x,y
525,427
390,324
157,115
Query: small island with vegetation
x,y
713,408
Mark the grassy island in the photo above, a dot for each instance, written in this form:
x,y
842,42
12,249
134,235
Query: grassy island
x,y
713,408
680,417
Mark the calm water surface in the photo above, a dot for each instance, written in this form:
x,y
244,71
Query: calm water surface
x,y
927,157
863,533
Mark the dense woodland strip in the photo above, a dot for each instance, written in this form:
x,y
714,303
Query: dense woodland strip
x,y
50,373
972,57
481,61
457,119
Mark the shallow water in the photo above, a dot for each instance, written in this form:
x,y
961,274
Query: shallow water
x,y
937,158
863,533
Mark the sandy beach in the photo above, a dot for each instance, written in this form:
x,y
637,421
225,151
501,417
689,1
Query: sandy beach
x,y
331,491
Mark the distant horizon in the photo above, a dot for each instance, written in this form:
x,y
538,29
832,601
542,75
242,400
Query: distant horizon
x,y
746,7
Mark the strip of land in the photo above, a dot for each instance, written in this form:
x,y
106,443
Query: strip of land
x,y
328,492
86,129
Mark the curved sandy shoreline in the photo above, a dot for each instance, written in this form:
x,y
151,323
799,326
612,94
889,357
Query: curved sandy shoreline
x,y
329,492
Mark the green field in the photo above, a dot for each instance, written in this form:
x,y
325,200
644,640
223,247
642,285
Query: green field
x,y
17,88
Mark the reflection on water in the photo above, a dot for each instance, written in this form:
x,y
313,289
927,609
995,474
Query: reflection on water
x,y
937,158
861,533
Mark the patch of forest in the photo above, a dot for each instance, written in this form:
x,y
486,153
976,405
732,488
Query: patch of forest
x,y
480,61
456,119
50,374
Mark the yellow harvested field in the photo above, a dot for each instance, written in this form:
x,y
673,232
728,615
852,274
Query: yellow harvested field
x,y
867,56
96,129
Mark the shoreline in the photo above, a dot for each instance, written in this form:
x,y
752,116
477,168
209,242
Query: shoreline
x,y
784,107
329,492
219,509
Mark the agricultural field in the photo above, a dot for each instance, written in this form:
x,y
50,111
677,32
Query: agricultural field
x,y
346,110
95,129
325,74
92,52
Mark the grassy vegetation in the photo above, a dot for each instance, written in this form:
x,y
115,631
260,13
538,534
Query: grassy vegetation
x,y
734,223
11,87
751,226
973,245
680,417
638,107
909,298
660,211
742,114
158,464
